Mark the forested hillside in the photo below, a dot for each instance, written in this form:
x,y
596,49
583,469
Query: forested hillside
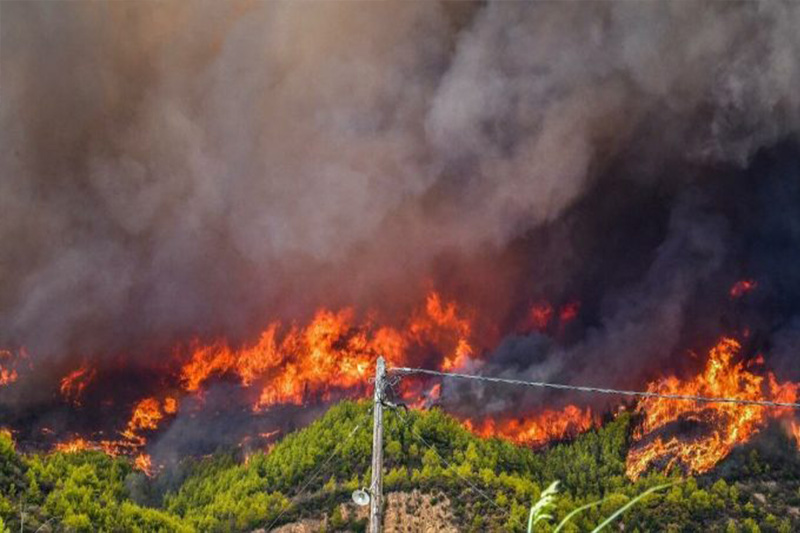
x,y
754,490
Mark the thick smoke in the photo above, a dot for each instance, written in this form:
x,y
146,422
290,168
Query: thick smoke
x,y
171,169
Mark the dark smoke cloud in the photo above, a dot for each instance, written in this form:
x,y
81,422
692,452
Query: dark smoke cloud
x,y
173,169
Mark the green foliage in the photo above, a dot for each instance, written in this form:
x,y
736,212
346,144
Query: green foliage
x,y
89,491
12,468
82,491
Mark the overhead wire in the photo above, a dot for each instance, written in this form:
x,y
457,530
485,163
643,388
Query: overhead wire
x,y
409,424
594,390
316,473
398,372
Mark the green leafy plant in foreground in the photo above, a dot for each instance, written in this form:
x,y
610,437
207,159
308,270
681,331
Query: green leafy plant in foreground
x,y
540,509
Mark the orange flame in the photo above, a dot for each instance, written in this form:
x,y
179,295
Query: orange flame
x,y
145,464
440,325
794,431
291,364
75,445
537,430
419,398
332,353
73,384
146,416
726,424
170,406
8,372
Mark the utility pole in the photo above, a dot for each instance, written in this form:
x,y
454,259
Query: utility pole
x,y
376,488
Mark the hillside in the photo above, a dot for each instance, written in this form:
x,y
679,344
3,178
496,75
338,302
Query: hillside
x,y
756,489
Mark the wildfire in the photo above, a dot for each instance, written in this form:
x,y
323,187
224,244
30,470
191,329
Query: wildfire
x,y
287,364
441,325
73,384
794,431
144,463
146,416
536,430
8,371
542,316
725,424
75,445
332,352
170,406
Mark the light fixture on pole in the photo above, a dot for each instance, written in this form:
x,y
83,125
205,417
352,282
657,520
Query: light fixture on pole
x,y
361,497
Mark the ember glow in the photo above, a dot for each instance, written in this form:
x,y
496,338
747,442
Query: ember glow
x,y
721,425
539,317
8,370
568,312
543,317
742,287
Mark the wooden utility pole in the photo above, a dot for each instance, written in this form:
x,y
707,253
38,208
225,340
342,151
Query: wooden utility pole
x,y
376,488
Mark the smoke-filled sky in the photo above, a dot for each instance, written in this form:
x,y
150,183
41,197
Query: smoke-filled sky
x,y
175,169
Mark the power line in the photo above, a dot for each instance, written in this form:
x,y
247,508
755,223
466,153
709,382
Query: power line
x,y
447,465
316,473
594,390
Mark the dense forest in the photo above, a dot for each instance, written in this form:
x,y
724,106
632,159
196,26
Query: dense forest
x,y
490,483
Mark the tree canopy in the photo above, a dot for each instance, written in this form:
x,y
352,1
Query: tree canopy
x,y
309,473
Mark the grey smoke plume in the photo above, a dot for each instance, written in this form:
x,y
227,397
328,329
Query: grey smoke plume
x,y
172,169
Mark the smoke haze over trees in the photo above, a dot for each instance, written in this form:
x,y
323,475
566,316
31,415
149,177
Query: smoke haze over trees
x,y
172,170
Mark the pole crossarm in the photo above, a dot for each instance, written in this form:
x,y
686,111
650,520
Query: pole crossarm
x,y
592,390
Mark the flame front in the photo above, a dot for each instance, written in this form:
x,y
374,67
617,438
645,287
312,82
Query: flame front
x,y
723,425
536,430
333,352
293,364
75,445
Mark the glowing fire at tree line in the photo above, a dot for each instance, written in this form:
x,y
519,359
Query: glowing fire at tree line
x,y
295,365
